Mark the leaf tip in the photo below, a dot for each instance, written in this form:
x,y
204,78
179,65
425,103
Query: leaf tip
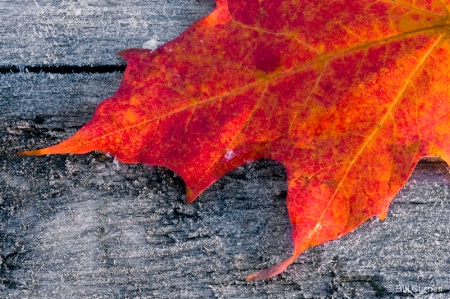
x,y
272,271
31,153
59,148
263,274
130,54
190,195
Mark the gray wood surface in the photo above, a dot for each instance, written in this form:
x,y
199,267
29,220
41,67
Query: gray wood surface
x,y
49,32
89,227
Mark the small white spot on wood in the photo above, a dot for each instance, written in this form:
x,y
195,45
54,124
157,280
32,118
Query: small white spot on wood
x,y
153,43
116,164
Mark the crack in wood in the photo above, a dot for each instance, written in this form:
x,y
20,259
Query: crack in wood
x,y
62,69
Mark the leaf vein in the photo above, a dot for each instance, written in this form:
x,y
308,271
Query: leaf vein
x,y
376,129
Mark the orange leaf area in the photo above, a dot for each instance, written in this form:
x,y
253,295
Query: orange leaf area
x,y
347,95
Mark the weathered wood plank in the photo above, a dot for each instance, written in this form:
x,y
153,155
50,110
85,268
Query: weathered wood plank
x,y
84,226
47,32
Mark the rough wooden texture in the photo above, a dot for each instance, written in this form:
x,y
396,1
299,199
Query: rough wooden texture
x,y
88,227
49,32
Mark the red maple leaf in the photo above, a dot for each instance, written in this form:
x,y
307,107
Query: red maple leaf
x,y
347,95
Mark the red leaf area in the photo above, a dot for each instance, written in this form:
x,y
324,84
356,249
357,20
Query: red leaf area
x,y
347,95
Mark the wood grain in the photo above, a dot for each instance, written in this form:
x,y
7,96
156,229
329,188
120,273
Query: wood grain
x,y
47,32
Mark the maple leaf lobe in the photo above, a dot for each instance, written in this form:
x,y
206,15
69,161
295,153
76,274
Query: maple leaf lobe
x,y
347,95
